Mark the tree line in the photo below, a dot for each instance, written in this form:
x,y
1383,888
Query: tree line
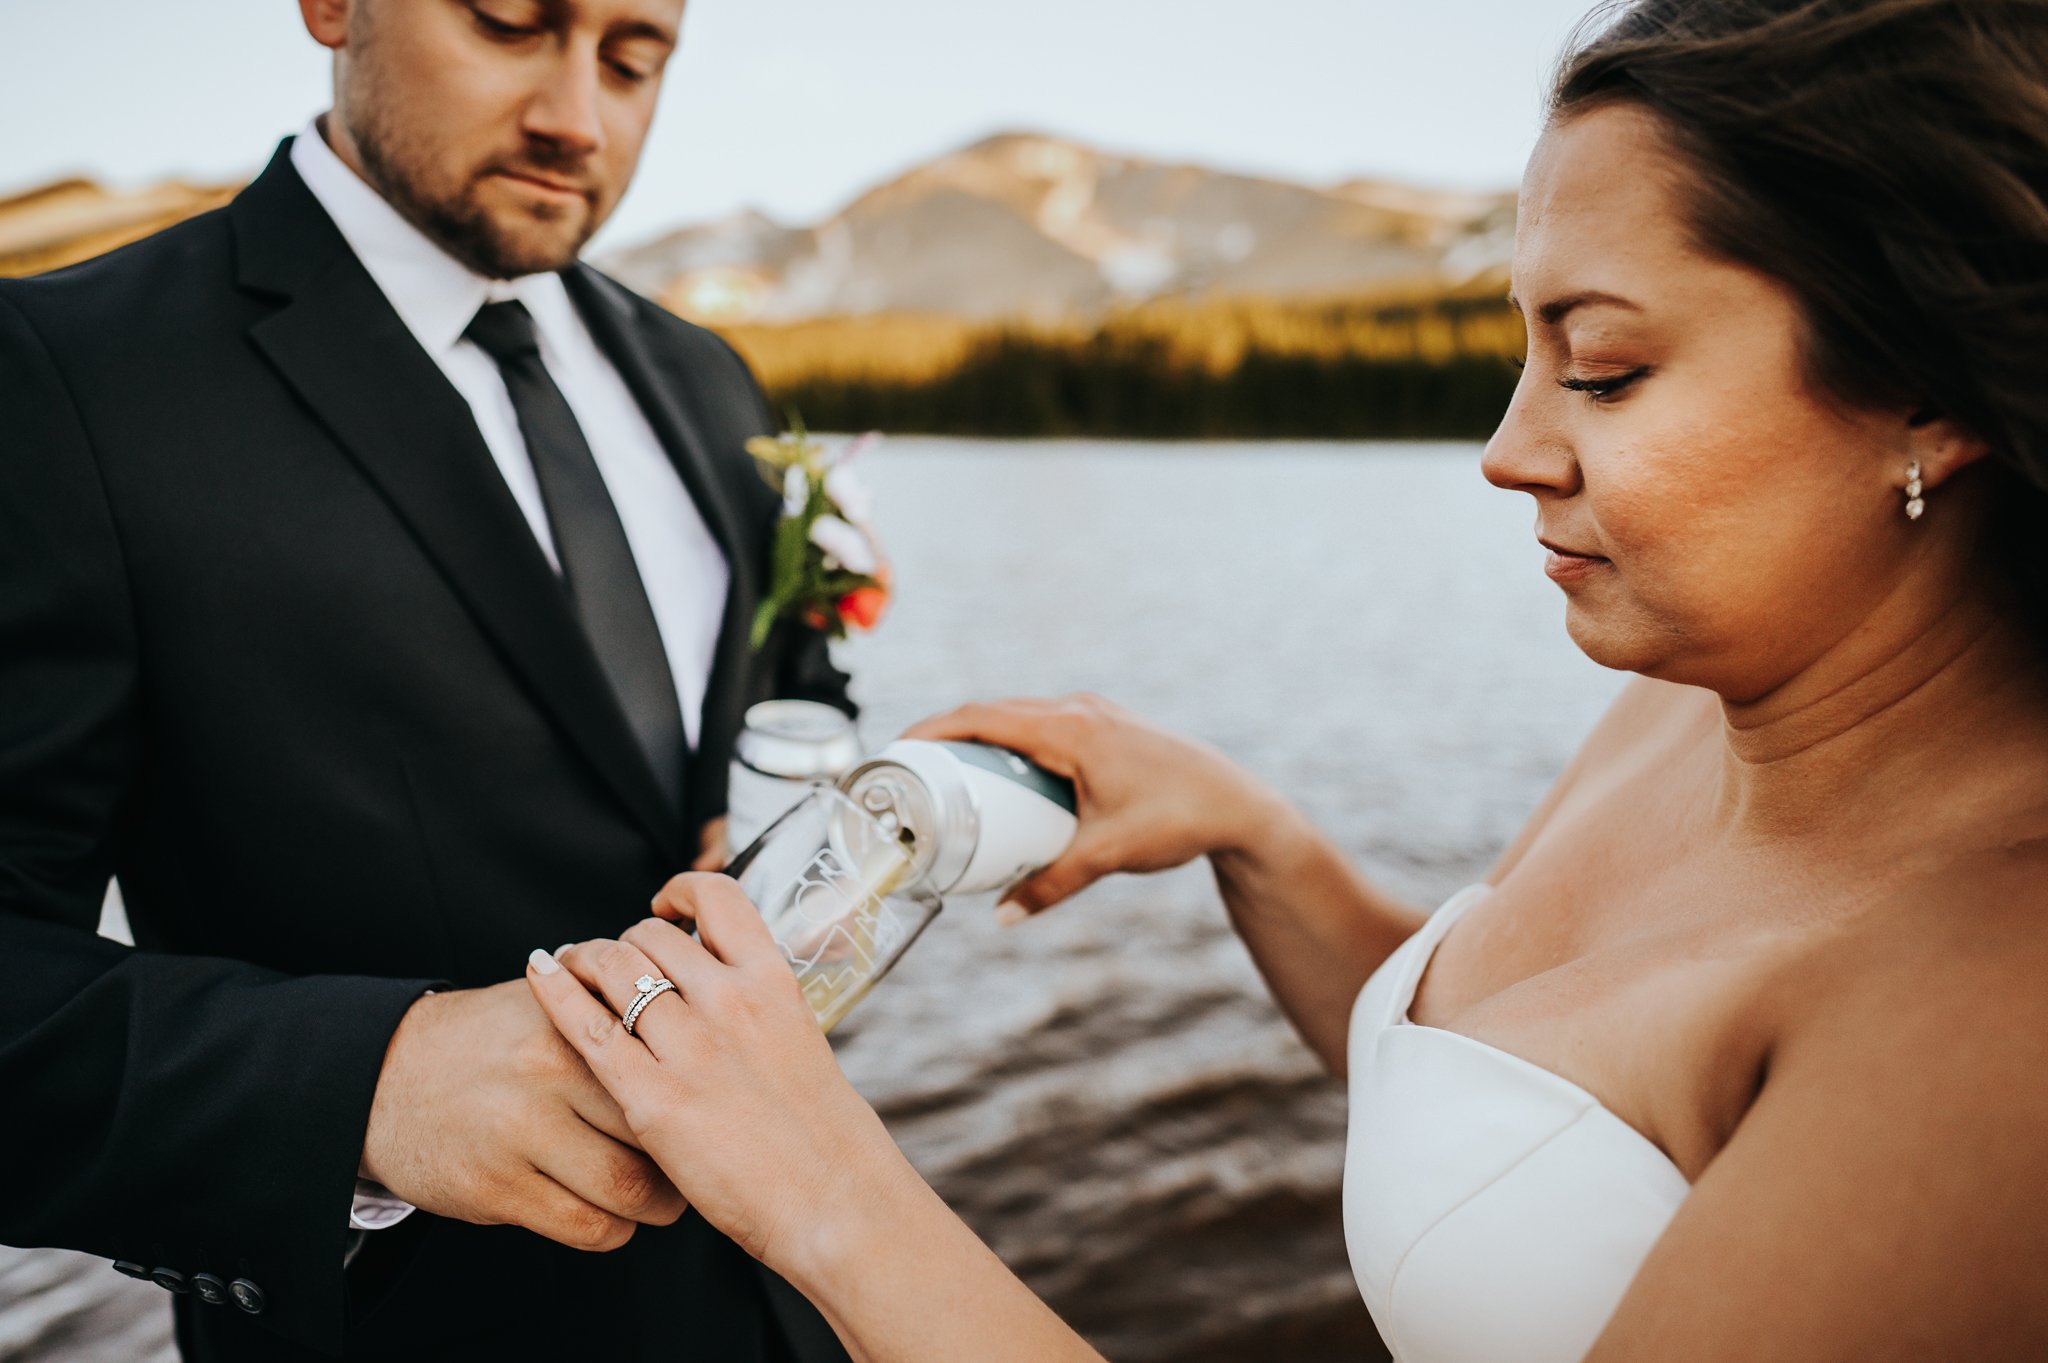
x,y
1430,367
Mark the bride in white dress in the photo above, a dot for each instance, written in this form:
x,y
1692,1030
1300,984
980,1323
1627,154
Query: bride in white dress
x,y
1741,1050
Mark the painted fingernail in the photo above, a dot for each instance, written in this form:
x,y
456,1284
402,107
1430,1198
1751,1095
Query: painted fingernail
x,y
542,962
564,947
1010,913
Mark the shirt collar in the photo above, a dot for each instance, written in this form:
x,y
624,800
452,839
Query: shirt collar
x,y
434,294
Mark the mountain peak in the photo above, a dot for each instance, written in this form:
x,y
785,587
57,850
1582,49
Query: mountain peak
x,y
1024,224
1016,140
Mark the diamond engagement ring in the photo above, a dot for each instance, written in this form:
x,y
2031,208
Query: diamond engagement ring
x,y
651,988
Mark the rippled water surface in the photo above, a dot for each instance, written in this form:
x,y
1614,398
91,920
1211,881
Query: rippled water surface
x,y
1106,1092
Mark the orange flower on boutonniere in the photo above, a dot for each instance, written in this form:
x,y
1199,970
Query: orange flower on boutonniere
x,y
863,607
827,568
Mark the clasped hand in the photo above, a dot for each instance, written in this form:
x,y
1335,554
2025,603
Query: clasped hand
x,y
483,1113
726,1080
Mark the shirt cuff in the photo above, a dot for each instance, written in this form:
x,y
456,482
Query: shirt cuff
x,y
375,1208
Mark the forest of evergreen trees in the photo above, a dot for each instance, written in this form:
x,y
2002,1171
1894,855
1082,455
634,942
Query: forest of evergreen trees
x,y
1436,368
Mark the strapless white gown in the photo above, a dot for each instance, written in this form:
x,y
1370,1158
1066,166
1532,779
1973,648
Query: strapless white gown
x,y
1495,1211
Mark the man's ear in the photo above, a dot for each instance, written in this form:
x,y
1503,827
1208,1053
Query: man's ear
x,y
1939,444
327,21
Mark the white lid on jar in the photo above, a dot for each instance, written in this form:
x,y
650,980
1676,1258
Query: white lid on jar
x,y
798,740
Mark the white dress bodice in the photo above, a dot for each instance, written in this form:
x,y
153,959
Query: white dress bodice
x,y
1494,1210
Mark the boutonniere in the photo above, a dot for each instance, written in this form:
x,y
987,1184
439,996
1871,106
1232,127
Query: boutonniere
x,y
827,567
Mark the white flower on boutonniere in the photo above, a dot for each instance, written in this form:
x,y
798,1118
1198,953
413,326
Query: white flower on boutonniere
x,y
826,568
844,545
844,486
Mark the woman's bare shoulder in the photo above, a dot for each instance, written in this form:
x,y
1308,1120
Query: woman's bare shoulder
x,y
1956,951
1888,1179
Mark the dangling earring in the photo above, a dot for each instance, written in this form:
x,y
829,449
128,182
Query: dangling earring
x,y
1915,503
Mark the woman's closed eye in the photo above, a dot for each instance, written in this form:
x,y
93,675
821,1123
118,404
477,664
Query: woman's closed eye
x,y
1602,390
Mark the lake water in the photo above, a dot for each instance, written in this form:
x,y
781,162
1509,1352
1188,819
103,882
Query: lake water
x,y
1106,1092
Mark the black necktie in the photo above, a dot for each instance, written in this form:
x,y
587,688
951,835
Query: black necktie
x,y
597,562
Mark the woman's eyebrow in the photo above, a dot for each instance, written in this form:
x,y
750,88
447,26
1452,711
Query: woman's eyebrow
x,y
1555,311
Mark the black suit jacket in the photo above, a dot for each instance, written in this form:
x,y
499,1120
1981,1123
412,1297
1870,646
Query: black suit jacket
x,y
278,649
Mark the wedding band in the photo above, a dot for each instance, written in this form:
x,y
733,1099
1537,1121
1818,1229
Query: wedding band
x,y
650,989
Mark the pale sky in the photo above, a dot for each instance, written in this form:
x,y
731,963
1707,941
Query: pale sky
x,y
795,106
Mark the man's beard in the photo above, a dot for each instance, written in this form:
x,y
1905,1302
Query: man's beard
x,y
459,224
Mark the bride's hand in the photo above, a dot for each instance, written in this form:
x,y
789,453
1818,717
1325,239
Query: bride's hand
x,y
1149,799
728,1083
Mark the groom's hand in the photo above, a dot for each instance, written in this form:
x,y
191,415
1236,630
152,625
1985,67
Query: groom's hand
x,y
483,1113
714,846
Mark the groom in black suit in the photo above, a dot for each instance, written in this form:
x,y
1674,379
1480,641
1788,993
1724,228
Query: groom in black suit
x,y
374,592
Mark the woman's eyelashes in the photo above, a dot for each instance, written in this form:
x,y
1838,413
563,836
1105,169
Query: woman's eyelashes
x,y
1596,390
1604,389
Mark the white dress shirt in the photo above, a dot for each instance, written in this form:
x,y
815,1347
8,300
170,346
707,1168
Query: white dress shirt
x,y
435,295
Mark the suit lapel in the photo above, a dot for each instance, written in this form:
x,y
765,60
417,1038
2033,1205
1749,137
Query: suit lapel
x,y
341,347
610,312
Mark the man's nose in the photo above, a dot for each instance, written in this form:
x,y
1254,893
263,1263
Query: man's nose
x,y
1526,454
565,110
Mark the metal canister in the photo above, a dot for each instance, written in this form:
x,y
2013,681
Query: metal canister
x,y
786,748
974,817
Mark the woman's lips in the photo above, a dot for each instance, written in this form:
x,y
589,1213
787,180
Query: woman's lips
x,y
1562,565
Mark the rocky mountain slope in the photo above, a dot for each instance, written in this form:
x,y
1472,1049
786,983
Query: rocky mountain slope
x,y
1023,225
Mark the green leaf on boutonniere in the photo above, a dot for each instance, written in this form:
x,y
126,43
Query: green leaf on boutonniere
x,y
765,617
791,544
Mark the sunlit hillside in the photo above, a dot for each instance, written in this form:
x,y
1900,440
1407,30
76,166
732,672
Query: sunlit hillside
x,y
1410,365
73,220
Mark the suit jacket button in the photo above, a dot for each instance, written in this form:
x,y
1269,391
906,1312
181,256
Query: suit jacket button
x,y
211,1290
170,1280
248,1296
131,1269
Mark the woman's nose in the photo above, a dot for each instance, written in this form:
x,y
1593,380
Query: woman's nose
x,y
1527,454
